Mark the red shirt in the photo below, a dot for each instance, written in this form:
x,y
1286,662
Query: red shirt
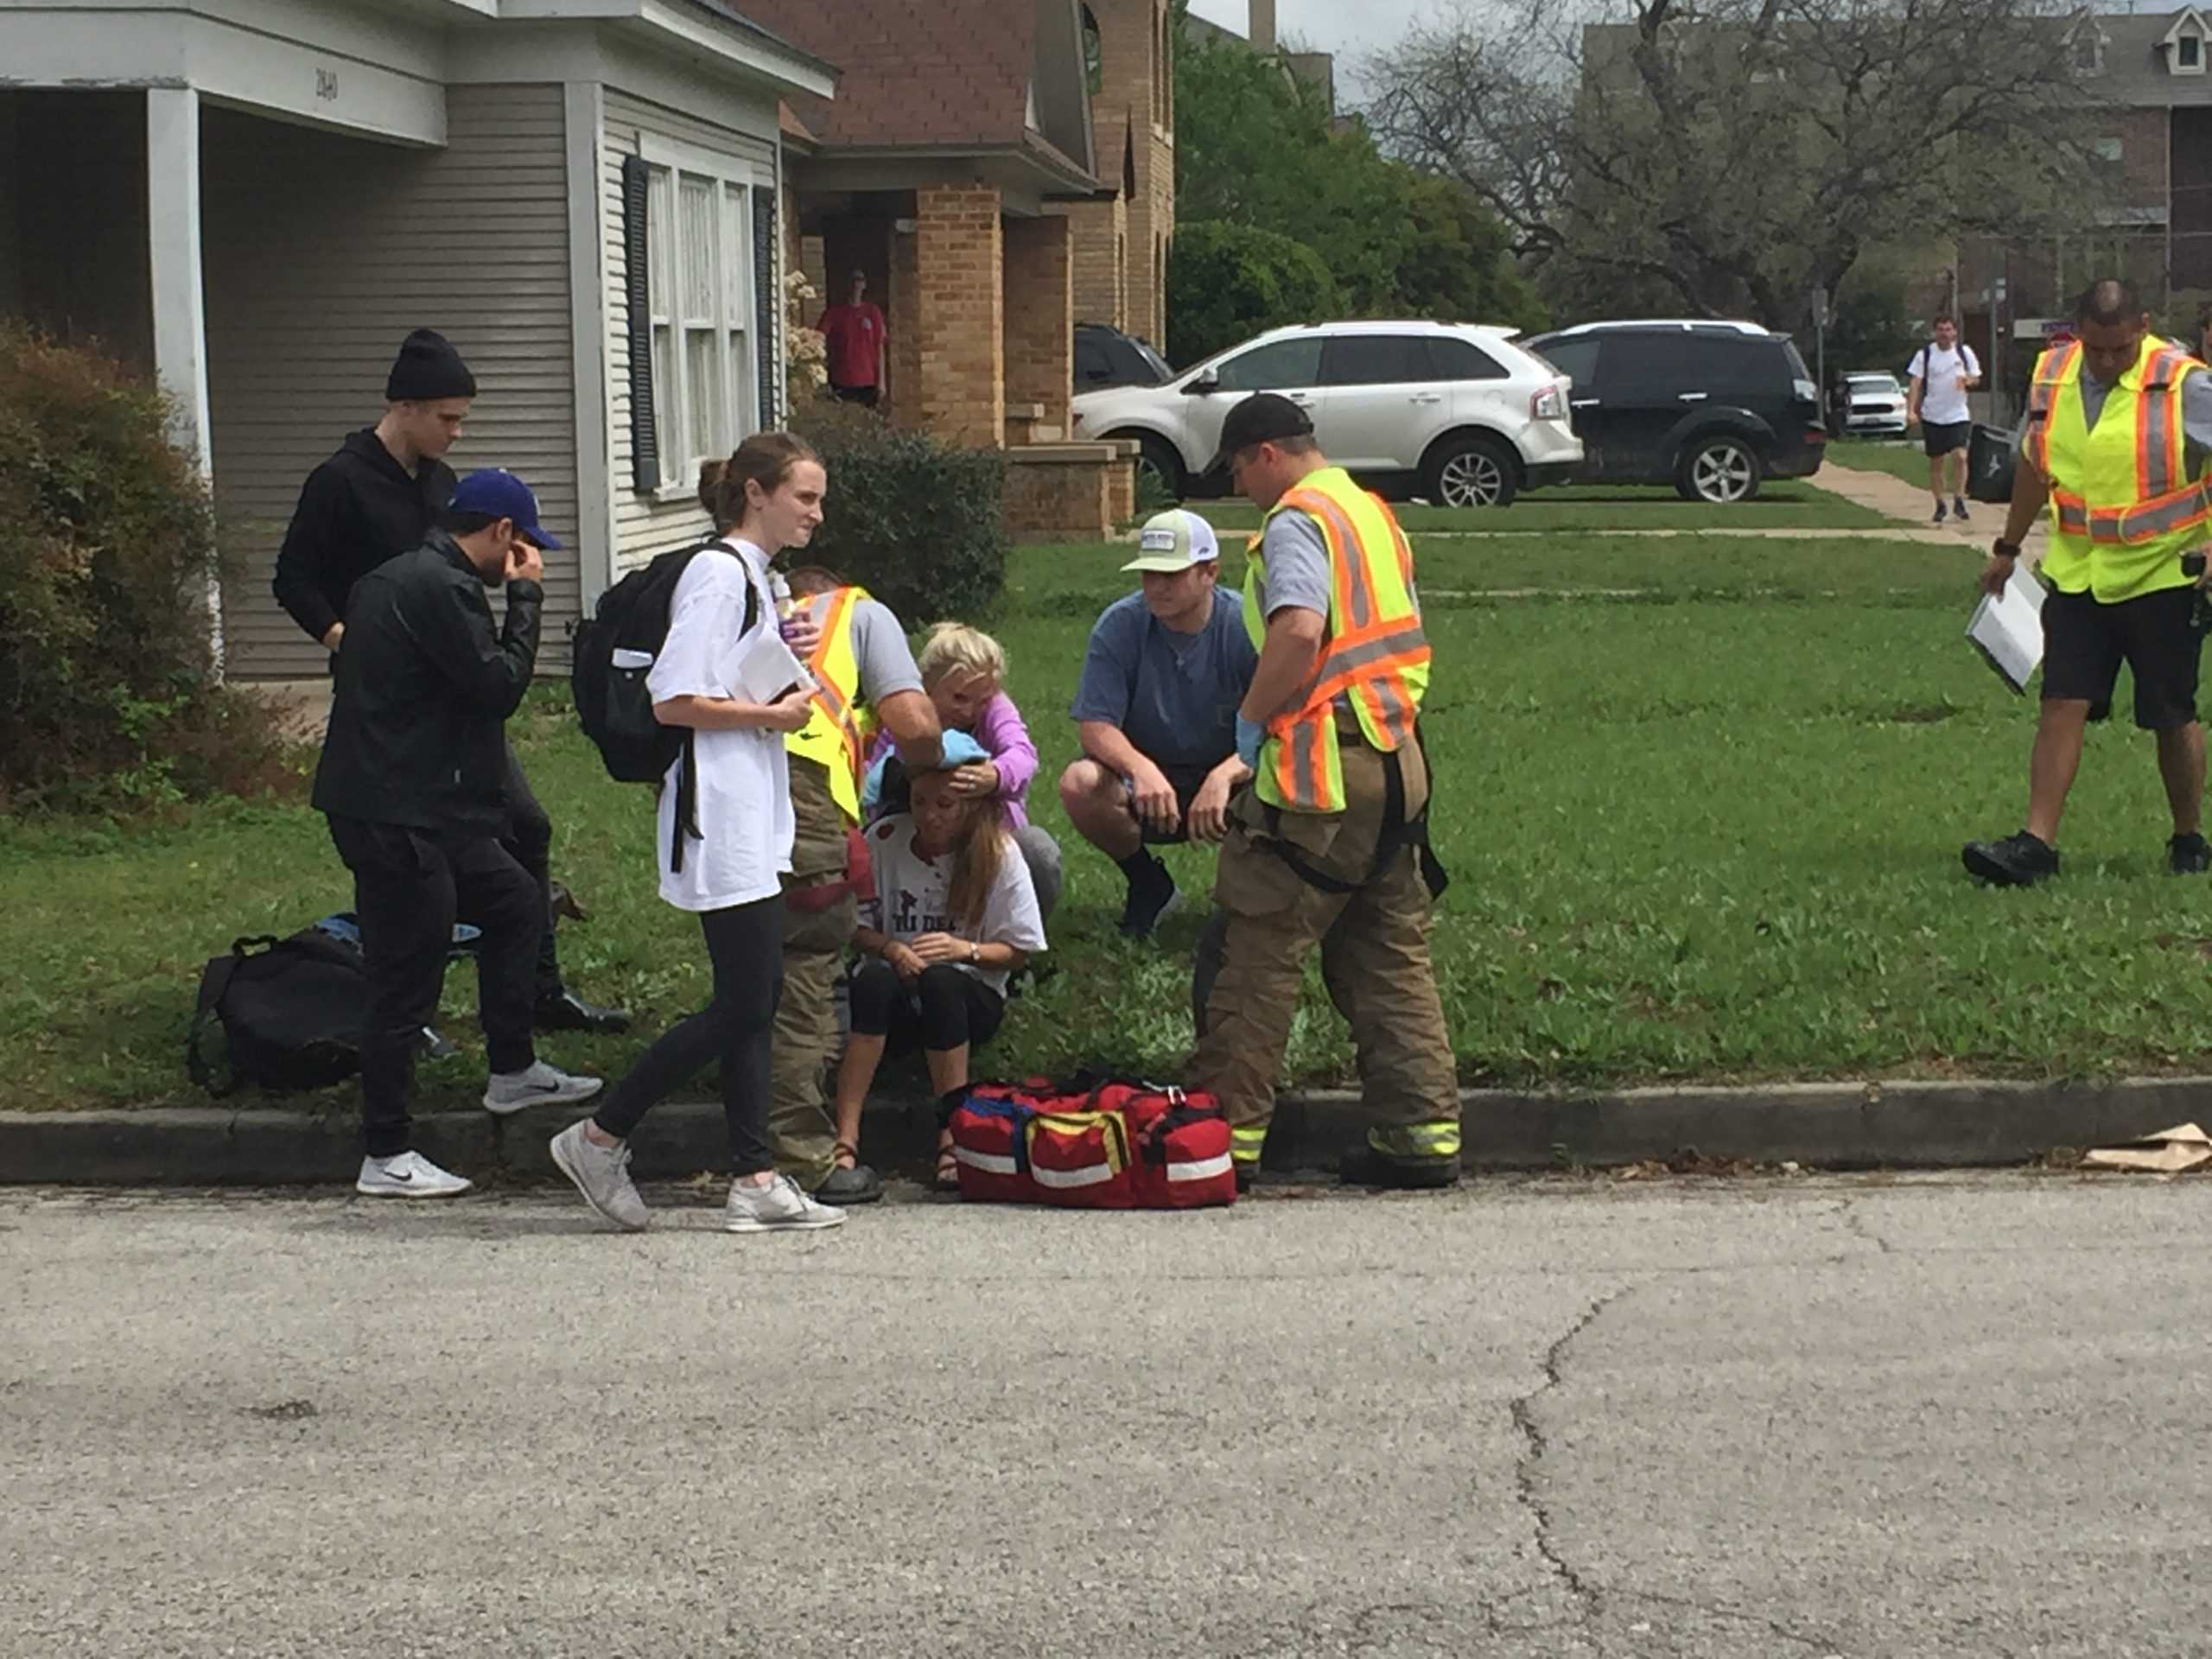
x,y
855,335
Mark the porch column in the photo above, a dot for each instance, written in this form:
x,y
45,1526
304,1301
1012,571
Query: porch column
x,y
1041,320
957,247
179,298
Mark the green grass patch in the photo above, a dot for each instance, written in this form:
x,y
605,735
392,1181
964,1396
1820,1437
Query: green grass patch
x,y
1902,459
1790,505
1708,831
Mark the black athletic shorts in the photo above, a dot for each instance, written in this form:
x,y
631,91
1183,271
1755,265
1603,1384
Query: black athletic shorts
x,y
2084,643
1942,438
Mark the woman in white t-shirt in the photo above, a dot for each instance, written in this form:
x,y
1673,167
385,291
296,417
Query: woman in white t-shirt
x,y
726,863
953,914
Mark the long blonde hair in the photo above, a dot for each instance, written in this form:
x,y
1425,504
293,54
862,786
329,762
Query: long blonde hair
x,y
980,849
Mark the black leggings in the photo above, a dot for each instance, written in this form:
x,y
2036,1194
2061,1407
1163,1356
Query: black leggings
x,y
943,1008
746,945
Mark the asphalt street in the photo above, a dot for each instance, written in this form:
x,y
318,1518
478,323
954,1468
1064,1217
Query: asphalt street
x,y
1955,1416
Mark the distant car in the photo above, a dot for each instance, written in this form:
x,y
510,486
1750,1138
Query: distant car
x,y
1456,412
1871,406
1713,408
1105,357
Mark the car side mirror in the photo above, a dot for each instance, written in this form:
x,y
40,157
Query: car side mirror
x,y
1204,383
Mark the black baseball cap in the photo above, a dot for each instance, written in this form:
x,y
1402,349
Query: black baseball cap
x,y
1264,417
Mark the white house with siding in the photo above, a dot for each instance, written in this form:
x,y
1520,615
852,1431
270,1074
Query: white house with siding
x,y
257,200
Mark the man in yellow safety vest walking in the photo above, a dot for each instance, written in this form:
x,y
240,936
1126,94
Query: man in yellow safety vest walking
x,y
865,676
1328,845
2117,429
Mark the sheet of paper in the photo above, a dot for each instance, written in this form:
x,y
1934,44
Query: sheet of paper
x,y
2007,630
765,668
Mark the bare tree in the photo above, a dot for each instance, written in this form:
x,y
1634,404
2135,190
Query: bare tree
x,y
1729,155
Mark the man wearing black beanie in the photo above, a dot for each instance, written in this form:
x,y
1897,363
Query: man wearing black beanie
x,y
378,498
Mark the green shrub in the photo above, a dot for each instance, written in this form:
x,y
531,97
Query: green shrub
x,y
107,547
1226,282
916,522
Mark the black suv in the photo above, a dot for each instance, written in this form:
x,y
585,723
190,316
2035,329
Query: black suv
x,y
1712,408
1106,357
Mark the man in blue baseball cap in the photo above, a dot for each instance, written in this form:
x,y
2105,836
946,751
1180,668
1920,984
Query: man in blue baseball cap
x,y
413,782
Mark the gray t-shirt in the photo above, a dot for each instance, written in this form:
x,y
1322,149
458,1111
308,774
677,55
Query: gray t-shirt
x,y
1173,695
880,648
1297,561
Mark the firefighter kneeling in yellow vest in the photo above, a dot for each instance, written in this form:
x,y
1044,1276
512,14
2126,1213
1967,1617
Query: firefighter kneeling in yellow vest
x,y
1329,844
866,675
2115,445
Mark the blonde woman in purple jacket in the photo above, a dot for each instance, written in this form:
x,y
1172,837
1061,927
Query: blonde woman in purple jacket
x,y
963,670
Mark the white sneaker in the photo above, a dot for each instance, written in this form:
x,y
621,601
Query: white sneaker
x,y
409,1175
780,1206
542,1085
602,1175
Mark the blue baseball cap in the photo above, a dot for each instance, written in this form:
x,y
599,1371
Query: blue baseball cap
x,y
500,494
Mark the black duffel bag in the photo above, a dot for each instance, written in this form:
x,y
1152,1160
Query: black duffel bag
x,y
290,1011
1989,464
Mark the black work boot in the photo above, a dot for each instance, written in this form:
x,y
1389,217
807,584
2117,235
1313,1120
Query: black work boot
x,y
2189,854
1153,895
2019,861
1367,1167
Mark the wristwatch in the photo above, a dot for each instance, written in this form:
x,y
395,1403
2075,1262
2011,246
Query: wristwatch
x,y
975,952
2004,550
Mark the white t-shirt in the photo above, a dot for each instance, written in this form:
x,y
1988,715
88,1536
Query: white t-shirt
x,y
910,893
1942,400
745,798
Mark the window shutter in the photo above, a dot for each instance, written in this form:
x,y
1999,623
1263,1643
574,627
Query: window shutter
x,y
644,437
768,305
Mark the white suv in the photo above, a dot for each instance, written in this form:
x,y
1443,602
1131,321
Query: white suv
x,y
1453,412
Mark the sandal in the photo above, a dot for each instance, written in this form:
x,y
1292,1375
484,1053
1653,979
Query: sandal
x,y
844,1155
948,1169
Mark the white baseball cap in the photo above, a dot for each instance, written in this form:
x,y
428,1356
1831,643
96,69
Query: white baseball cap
x,y
1172,541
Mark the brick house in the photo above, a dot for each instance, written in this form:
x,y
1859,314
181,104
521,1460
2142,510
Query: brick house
x,y
256,200
997,168
2150,75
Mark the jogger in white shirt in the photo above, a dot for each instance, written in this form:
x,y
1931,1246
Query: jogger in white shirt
x,y
765,498
1942,372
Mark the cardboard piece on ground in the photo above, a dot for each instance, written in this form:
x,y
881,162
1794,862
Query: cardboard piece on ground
x,y
2167,1153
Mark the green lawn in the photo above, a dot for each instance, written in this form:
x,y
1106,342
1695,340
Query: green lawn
x,y
1788,506
1709,831
1900,459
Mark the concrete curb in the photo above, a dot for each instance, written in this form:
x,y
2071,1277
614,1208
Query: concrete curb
x,y
1834,1125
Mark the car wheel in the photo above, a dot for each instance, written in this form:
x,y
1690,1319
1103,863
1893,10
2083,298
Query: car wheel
x,y
1471,473
1157,457
1720,471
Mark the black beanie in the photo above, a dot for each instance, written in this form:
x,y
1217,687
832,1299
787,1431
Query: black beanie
x,y
428,369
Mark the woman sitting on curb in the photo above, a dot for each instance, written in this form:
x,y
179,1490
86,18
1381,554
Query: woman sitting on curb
x,y
952,915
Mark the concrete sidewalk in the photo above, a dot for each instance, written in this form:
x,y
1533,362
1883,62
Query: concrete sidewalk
x,y
1830,1125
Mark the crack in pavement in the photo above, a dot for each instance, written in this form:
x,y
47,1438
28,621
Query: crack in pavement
x,y
1523,1410
1855,1224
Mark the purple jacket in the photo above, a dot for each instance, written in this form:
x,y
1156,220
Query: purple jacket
x,y
1005,738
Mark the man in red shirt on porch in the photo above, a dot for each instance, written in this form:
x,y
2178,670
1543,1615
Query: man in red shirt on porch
x,y
856,339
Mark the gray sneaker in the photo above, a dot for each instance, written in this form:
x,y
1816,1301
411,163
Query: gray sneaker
x,y
602,1175
780,1206
542,1085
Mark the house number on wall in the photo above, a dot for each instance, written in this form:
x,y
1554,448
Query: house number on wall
x,y
325,84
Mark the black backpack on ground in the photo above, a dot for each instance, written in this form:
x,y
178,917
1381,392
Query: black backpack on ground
x,y
290,1011
613,702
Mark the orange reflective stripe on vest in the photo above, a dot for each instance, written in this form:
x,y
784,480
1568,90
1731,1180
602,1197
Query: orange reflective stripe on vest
x,y
2049,372
827,695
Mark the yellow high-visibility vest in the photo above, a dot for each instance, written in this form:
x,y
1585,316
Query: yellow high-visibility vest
x,y
1375,653
2123,509
836,736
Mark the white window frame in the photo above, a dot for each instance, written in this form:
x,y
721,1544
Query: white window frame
x,y
2187,34
735,316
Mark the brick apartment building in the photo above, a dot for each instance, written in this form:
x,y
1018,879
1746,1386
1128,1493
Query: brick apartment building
x,y
998,168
